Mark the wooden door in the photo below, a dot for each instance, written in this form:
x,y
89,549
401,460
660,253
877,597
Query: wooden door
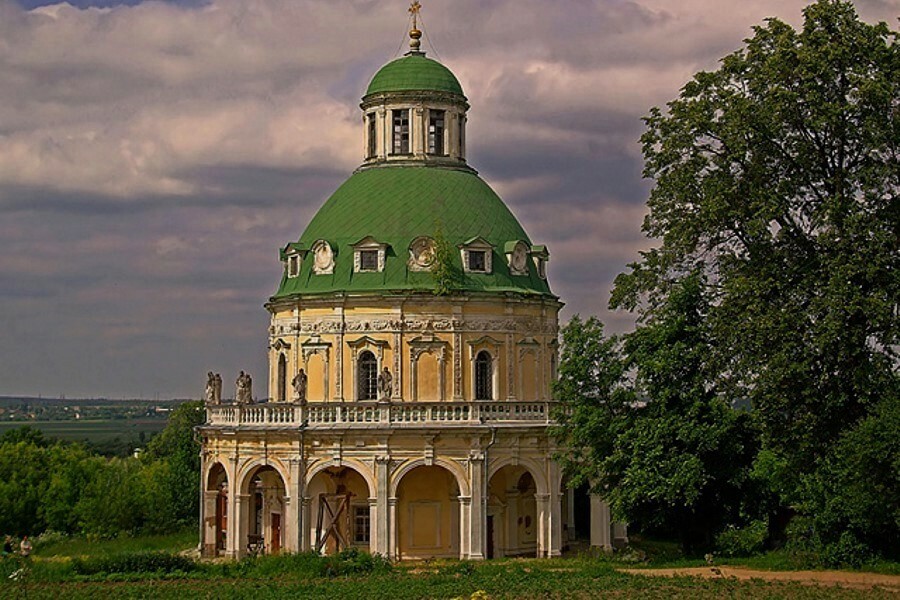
x,y
276,533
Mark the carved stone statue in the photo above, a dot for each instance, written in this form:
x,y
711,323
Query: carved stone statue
x,y
244,389
217,387
210,393
385,381
299,383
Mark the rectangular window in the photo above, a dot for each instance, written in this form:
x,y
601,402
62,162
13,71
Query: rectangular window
x,y
293,265
371,151
361,524
401,131
477,261
368,260
436,132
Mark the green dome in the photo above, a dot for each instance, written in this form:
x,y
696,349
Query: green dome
x,y
414,73
395,205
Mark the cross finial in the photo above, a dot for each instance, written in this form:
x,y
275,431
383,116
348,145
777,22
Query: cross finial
x,y
414,33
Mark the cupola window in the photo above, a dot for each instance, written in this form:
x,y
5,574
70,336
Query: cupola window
x,y
540,256
401,131
371,140
436,132
517,257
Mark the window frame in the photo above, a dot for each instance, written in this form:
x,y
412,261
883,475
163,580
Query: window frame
x,y
400,133
366,383
437,135
483,376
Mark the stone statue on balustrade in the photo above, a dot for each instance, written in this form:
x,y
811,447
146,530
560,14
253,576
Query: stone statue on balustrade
x,y
244,389
213,392
299,383
385,384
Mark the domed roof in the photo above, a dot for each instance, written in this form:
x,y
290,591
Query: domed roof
x,y
394,205
414,72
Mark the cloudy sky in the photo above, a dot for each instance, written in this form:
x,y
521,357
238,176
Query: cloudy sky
x,y
155,155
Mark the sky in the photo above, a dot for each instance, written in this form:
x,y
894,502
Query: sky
x,y
154,156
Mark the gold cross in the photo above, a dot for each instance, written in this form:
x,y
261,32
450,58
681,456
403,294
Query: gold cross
x,y
415,7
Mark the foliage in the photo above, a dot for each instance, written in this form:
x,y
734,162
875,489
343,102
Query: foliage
x,y
64,487
743,541
353,562
649,429
444,271
777,178
138,562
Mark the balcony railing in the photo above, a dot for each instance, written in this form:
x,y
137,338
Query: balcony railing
x,y
398,414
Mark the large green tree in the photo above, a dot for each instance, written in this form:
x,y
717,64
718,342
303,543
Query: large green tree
x,y
777,176
652,432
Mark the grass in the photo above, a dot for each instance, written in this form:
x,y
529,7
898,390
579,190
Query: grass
x,y
80,547
51,575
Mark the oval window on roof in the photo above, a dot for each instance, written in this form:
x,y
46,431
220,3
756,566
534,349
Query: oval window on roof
x,y
421,254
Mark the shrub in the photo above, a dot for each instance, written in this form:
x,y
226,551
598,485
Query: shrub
x,y
847,551
353,562
743,541
139,562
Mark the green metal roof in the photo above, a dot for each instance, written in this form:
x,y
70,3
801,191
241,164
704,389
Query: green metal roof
x,y
397,204
414,72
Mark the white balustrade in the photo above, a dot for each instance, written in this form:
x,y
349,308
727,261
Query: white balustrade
x,y
396,414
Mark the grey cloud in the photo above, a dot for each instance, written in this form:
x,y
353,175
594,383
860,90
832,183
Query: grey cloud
x,y
154,158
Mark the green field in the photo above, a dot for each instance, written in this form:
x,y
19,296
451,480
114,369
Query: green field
x,y
92,431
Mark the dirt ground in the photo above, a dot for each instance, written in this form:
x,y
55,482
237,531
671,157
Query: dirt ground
x,y
836,578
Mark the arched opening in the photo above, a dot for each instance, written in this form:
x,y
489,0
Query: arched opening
x,y
216,511
264,520
484,377
512,513
282,378
340,512
366,376
428,514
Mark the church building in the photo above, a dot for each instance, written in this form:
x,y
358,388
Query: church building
x,y
412,347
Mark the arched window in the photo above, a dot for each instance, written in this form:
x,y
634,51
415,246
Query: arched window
x,y
367,376
484,377
282,377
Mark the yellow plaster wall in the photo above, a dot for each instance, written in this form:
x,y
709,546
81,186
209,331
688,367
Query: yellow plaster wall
x,y
424,514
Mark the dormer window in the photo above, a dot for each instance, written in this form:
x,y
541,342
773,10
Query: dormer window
x,y
293,265
477,261
400,120
476,255
436,132
540,256
368,260
369,255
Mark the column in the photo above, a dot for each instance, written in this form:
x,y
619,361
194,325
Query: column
x,y
465,509
292,506
556,524
382,517
543,519
237,527
600,529
208,536
476,510
393,547
570,510
305,544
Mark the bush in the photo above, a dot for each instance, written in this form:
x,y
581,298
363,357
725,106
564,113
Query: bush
x,y
353,562
140,562
743,541
848,551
